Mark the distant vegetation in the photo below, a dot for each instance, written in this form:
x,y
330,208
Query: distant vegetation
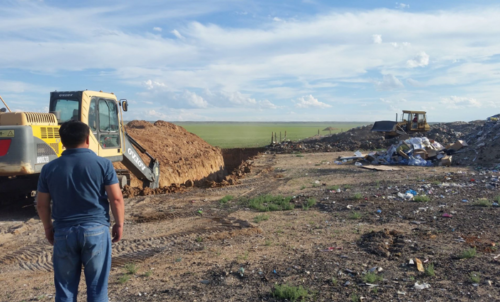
x,y
244,135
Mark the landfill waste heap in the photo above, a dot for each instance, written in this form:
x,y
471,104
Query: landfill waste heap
x,y
415,151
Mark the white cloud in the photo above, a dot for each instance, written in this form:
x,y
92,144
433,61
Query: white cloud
x,y
402,5
377,39
155,114
389,82
194,100
176,33
420,60
157,29
460,102
414,83
309,102
276,19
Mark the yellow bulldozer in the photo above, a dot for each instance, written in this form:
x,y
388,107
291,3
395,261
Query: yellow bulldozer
x,y
411,122
29,140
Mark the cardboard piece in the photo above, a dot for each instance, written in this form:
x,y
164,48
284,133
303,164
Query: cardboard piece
x,y
400,152
380,168
421,152
431,153
457,146
446,161
420,266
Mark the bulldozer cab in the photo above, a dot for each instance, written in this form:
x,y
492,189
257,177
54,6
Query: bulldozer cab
x,y
415,120
100,111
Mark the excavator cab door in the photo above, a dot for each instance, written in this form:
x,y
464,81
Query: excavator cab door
x,y
105,127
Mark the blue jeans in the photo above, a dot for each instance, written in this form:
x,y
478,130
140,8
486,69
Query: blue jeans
x,y
89,245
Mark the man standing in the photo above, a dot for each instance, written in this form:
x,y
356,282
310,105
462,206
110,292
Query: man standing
x,y
80,184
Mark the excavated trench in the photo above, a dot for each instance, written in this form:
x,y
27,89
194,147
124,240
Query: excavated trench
x,y
235,164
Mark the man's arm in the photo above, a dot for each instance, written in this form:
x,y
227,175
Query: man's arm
x,y
43,207
117,208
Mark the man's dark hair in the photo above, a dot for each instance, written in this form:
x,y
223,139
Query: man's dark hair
x,y
73,133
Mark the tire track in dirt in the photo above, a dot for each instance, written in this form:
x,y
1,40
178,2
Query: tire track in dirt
x,y
39,258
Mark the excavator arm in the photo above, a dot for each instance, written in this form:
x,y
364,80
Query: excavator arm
x,y
149,175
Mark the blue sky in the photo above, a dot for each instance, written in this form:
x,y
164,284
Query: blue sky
x,y
289,60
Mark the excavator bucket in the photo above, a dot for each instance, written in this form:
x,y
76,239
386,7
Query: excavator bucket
x,y
384,126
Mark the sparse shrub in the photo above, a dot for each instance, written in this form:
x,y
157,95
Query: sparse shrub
x,y
148,273
334,281
429,270
355,215
268,243
475,277
421,198
288,292
303,187
357,196
355,297
309,203
226,199
299,155
333,188
347,187
265,203
469,253
315,185
123,279
199,239
483,202
130,268
371,278
260,218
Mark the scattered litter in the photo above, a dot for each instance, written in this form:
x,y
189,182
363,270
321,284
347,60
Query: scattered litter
x,y
205,281
412,192
401,293
411,262
358,164
421,286
420,267
379,211
446,215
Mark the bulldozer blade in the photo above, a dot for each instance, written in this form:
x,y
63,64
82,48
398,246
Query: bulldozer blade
x,y
384,126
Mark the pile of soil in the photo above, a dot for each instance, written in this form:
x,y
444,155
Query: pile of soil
x,y
185,159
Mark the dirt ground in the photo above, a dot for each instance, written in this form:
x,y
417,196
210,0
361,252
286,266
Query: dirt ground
x,y
190,246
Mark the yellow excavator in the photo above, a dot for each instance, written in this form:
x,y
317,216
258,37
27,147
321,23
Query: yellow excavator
x,y
29,140
411,122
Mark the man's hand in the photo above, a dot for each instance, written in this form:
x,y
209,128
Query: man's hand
x,y
49,234
117,232
118,208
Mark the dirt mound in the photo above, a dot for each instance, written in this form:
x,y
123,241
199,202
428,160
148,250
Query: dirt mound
x,y
185,159
384,243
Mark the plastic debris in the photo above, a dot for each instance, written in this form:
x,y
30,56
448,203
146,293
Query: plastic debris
x,y
241,271
358,164
446,215
412,192
379,211
422,286
401,293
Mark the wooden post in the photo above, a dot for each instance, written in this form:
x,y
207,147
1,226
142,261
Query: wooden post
x,y
272,138
275,136
280,136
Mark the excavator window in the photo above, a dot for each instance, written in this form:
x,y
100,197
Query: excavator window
x,y
109,135
66,110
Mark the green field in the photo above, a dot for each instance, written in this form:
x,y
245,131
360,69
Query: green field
x,y
258,134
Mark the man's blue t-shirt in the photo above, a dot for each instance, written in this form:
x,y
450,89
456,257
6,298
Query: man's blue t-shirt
x,y
76,183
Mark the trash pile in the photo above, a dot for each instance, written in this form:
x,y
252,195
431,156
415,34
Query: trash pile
x,y
484,145
415,151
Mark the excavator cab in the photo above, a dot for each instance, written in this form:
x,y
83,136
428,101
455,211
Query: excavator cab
x,y
103,113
